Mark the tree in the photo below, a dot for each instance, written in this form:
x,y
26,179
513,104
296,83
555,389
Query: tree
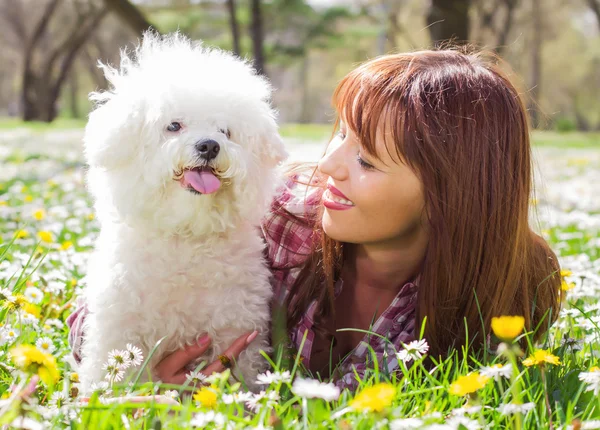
x,y
46,68
129,14
497,16
233,25
536,60
256,33
449,19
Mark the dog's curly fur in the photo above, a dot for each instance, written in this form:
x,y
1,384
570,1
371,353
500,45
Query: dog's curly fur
x,y
169,262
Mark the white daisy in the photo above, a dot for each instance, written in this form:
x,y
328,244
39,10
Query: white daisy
x,y
269,378
58,399
458,422
497,371
119,358
256,401
238,397
203,419
173,394
513,408
34,295
102,387
311,388
588,425
10,334
114,373
45,344
196,377
53,322
135,355
406,424
592,379
413,350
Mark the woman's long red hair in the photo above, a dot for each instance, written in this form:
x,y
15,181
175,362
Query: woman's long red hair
x,y
461,125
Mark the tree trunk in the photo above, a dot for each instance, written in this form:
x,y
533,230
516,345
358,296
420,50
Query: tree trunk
x,y
536,62
31,83
129,14
41,88
233,25
256,32
448,19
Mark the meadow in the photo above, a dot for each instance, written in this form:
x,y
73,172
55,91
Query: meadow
x,y
47,230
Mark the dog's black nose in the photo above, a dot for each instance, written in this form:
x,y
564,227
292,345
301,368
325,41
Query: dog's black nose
x,y
208,149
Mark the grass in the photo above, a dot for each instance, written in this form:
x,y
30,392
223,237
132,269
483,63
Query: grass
x,y
47,230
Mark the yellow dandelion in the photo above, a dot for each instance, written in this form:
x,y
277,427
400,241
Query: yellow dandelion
x,y
74,377
66,245
594,369
468,384
3,203
39,214
45,236
32,309
90,217
565,272
30,359
20,300
206,397
28,198
567,286
508,328
541,357
22,234
73,282
375,398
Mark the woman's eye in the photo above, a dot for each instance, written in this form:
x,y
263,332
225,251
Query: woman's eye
x,y
174,126
363,163
342,134
225,131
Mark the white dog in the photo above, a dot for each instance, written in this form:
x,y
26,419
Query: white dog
x,y
182,155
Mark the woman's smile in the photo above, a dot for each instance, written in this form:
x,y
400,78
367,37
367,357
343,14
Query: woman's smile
x,y
335,199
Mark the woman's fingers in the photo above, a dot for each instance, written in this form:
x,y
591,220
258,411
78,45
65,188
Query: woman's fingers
x,y
170,368
232,353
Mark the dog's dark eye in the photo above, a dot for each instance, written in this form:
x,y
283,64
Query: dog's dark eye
x,y
174,126
225,131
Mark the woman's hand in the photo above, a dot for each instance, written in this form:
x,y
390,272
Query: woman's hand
x,y
172,369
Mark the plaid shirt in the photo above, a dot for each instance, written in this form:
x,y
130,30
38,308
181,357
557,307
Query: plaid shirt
x,y
289,243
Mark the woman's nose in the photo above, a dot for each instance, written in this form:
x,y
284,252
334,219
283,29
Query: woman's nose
x,y
333,164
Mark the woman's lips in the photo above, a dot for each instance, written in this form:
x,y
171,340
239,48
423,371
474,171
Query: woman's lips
x,y
335,199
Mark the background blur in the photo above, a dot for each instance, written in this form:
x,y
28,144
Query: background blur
x,y
50,47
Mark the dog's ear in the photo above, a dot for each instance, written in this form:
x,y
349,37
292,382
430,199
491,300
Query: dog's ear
x,y
110,135
273,150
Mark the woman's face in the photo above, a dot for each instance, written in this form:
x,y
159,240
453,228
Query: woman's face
x,y
370,201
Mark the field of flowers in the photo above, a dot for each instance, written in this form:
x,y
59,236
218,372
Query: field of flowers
x,y
47,229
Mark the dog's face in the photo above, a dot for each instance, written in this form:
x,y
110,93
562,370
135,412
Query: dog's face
x,y
186,140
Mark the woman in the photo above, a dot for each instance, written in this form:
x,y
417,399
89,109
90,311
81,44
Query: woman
x,y
416,215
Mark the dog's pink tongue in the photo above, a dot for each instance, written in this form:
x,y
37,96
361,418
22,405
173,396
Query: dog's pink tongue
x,y
203,181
